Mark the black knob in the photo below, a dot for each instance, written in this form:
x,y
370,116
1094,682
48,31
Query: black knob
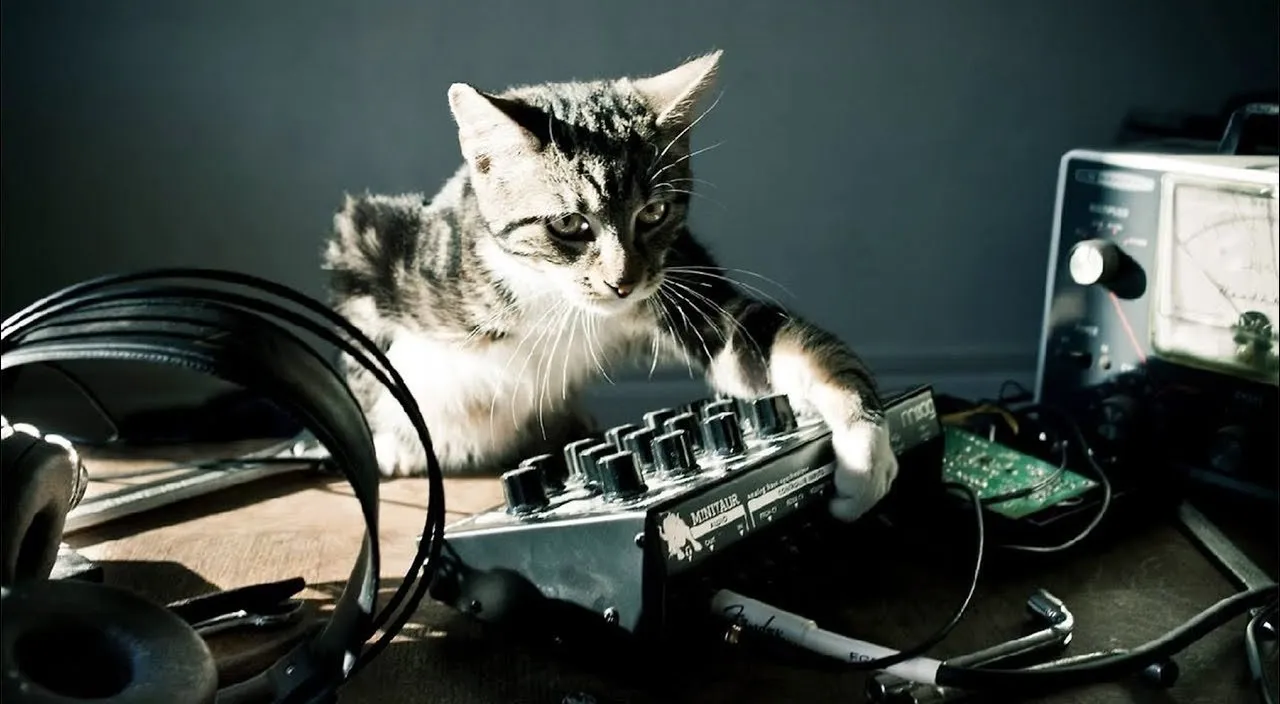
x,y
619,477
590,459
1227,449
671,454
573,459
553,470
640,444
523,490
655,419
614,435
724,436
772,415
718,407
689,424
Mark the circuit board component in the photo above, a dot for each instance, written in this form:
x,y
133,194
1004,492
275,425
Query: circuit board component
x,y
1009,482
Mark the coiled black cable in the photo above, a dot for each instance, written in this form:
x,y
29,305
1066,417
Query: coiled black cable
x,y
145,295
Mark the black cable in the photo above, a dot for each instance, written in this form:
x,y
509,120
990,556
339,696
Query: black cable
x,y
1253,650
941,634
1103,508
1129,663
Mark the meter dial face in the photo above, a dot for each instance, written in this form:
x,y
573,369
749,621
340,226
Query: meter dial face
x,y
1218,296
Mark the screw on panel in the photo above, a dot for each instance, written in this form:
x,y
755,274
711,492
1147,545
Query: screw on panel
x,y
611,615
639,540
473,607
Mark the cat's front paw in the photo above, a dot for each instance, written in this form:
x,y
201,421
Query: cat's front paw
x,y
865,468
397,458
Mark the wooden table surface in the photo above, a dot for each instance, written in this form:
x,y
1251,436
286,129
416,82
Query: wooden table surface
x,y
308,525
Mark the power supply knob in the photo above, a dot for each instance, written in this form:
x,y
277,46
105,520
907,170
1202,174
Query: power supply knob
x,y
689,424
553,470
772,415
655,419
523,490
724,435
614,435
1094,261
640,444
619,477
671,454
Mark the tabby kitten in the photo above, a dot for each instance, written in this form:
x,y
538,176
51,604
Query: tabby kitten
x,y
560,249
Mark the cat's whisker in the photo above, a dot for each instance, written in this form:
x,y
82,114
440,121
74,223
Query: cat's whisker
x,y
686,157
688,127
497,392
693,304
688,322
591,337
711,271
708,198
546,379
564,370
702,181
756,290
537,345
727,316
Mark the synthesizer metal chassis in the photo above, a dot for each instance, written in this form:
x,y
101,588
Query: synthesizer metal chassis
x,y
648,566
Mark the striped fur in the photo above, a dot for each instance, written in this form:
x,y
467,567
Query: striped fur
x,y
498,316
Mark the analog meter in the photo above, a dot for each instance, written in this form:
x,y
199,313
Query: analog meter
x,y
1217,302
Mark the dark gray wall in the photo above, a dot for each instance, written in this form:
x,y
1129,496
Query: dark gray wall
x,y
892,162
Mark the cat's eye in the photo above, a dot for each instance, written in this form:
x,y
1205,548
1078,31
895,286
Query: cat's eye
x,y
653,213
570,227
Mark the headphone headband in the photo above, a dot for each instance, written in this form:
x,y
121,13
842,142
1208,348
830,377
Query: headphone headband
x,y
226,325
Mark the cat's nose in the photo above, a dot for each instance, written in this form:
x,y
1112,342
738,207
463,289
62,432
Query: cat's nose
x,y
621,288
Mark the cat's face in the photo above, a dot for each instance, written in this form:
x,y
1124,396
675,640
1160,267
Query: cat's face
x,y
585,186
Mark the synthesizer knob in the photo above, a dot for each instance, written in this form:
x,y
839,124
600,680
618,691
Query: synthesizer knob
x,y
640,444
614,435
724,436
552,469
671,454
689,424
772,415
655,419
619,477
573,460
590,459
1094,261
723,406
523,490
695,407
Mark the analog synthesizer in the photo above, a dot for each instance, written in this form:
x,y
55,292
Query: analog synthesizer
x,y
632,531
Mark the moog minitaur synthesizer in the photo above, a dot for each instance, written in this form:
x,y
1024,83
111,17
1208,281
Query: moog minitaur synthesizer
x,y
633,530
1161,316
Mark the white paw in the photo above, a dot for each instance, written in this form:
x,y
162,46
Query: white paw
x,y
865,469
397,458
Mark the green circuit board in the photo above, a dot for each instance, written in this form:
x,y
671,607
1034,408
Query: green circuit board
x,y
992,470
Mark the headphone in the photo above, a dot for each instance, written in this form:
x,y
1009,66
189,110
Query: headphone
x,y
244,330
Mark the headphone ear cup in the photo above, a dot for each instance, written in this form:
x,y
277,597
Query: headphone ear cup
x,y
38,485
67,641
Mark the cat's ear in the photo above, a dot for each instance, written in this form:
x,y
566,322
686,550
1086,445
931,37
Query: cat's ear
x,y
485,129
674,95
